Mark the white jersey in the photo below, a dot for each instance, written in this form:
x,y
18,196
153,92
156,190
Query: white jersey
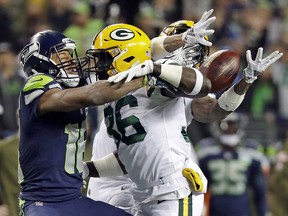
x,y
152,142
112,190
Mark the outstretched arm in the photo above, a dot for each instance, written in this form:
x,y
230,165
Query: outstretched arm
x,y
95,94
208,109
164,45
188,80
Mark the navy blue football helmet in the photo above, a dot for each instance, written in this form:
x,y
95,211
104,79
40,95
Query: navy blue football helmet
x,y
36,58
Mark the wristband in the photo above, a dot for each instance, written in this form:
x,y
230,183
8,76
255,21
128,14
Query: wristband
x,y
157,48
108,166
171,74
198,82
229,100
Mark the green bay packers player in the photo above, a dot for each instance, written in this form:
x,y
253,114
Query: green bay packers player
x,y
115,190
52,127
142,195
154,163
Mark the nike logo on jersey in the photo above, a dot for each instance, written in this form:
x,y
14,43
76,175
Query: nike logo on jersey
x,y
38,80
160,201
124,187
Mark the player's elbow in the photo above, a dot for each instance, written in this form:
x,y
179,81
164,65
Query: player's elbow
x,y
206,87
194,83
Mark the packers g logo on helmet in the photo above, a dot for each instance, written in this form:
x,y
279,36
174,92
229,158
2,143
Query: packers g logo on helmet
x,y
117,48
122,34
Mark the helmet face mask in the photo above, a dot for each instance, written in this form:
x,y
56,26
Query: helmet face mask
x,y
44,54
230,131
117,48
188,55
100,62
177,27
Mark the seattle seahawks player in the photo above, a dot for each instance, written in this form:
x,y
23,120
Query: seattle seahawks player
x,y
52,127
236,174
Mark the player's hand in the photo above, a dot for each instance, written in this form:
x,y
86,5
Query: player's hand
x,y
257,66
197,33
136,71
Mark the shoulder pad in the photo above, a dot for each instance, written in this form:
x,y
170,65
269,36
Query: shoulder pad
x,y
37,81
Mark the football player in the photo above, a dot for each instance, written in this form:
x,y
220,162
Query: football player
x,y
235,173
157,177
115,190
206,115
52,119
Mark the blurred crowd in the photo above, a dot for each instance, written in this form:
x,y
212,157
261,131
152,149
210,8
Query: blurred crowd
x,y
240,25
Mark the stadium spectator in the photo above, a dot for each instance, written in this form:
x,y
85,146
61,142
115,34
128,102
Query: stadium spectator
x,y
59,14
8,174
83,26
278,181
10,85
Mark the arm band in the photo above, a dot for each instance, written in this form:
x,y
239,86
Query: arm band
x,y
108,166
198,83
157,48
171,74
229,100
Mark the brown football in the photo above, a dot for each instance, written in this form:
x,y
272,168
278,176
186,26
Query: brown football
x,y
221,68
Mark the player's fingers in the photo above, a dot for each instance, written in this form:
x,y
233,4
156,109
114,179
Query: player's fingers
x,y
112,78
206,14
202,17
207,32
249,57
209,21
130,77
273,58
120,77
275,55
205,42
259,54
278,56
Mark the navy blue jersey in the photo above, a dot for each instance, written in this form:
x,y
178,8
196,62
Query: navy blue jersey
x,y
51,146
231,176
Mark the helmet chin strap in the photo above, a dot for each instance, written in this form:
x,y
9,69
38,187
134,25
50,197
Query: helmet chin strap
x,y
230,139
69,80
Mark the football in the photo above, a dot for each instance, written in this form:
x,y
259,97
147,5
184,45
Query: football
x,y
221,68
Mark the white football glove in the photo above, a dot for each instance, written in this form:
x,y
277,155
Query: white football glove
x,y
136,71
255,68
197,33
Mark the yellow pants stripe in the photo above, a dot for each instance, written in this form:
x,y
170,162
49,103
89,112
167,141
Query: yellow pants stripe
x,y
185,206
